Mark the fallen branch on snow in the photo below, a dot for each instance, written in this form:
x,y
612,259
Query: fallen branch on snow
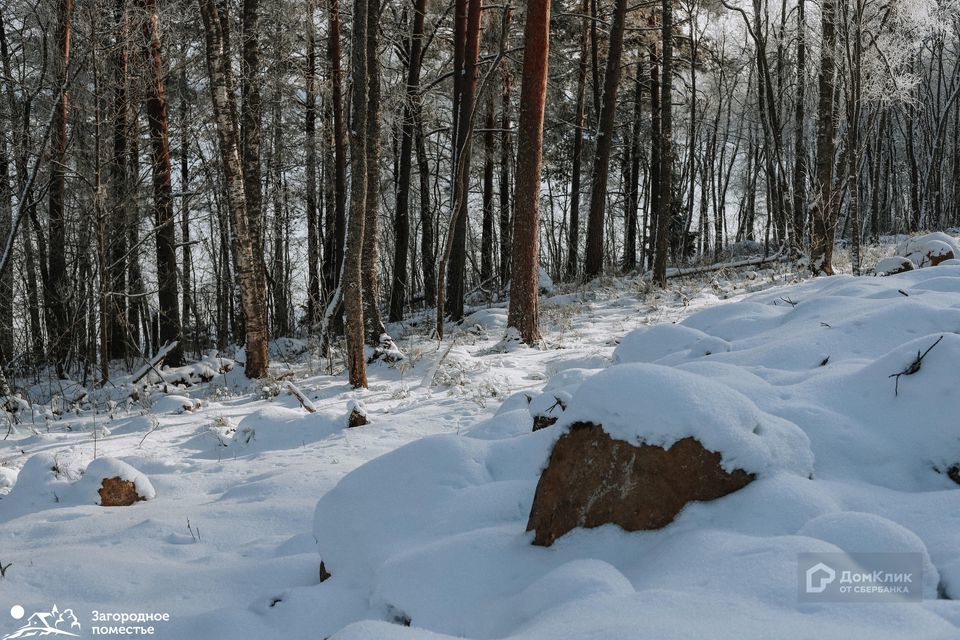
x,y
913,368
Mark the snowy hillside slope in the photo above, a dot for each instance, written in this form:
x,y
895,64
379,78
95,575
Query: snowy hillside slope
x,y
422,513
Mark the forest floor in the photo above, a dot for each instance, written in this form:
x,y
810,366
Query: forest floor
x,y
228,547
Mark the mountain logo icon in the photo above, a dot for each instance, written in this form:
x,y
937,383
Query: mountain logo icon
x,y
46,623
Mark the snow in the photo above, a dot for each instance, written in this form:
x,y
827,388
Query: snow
x,y
658,405
420,516
921,248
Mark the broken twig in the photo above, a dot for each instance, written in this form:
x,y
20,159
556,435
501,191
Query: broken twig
x,y
913,368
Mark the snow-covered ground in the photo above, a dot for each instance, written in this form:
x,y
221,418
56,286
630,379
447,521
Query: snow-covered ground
x,y
420,516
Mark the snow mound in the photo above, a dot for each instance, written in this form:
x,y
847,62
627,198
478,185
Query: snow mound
x,y
658,405
893,265
273,428
931,248
852,531
651,344
85,491
796,388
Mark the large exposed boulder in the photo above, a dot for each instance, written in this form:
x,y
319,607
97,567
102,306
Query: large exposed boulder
x,y
931,249
640,441
893,265
592,480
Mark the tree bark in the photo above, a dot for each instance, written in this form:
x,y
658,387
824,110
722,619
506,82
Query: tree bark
x,y
665,176
57,294
399,286
314,299
824,214
486,232
352,278
601,162
158,120
573,235
457,261
523,313
336,235
249,265
373,323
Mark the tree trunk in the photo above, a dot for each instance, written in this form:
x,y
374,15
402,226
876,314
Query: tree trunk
x,y
456,262
399,286
633,184
824,214
249,265
337,234
800,144
158,119
251,118
601,162
352,277
57,294
573,235
486,235
506,153
314,299
523,313
653,206
373,323
665,175
427,254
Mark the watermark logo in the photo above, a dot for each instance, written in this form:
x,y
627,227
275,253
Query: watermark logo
x,y
819,577
860,577
44,623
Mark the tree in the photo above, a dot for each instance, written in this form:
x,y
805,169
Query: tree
x,y
824,214
411,108
249,263
573,239
310,132
57,292
665,142
352,278
465,87
523,313
158,119
601,162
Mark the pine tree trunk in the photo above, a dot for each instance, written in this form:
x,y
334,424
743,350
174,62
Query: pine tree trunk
x,y
800,143
455,258
824,214
601,162
314,300
573,237
523,313
665,176
57,294
158,119
119,186
400,282
427,235
633,184
486,233
653,206
337,234
506,154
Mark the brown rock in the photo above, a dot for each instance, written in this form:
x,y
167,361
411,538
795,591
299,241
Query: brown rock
x,y
116,492
592,480
356,419
954,473
935,260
